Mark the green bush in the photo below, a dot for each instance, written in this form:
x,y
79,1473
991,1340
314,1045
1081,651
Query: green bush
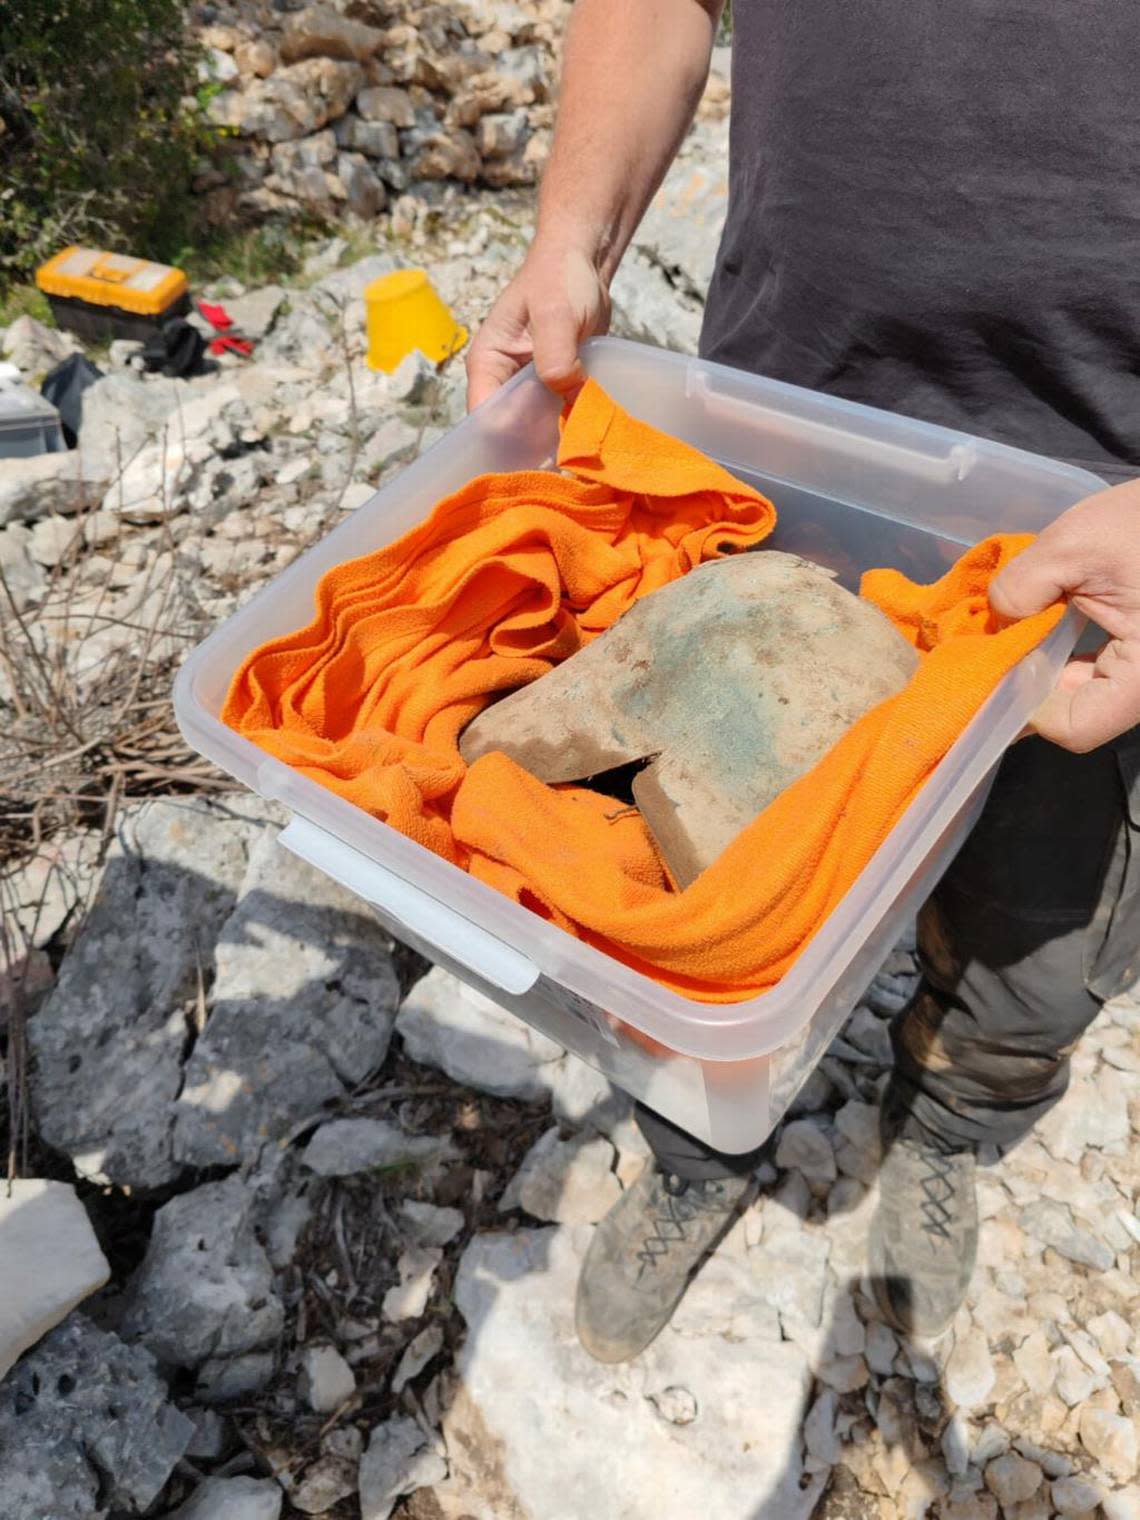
x,y
99,128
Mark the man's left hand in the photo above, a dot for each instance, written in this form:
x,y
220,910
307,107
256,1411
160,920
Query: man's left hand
x,y
1090,555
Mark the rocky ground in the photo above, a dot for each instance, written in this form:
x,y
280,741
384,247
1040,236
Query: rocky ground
x,y
344,1203
342,1200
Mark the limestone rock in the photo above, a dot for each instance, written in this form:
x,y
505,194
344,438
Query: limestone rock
x,y
1033,1360
23,573
970,1370
845,1374
378,139
582,1097
416,1269
446,1024
302,1009
993,1442
85,1427
232,1499
50,1262
1052,1223
34,348
1075,1496
217,67
1124,1504
120,413
484,93
597,1431
969,1507
1113,1334
47,483
447,155
955,1444
646,307
330,1479
326,1379
681,229
725,1299
881,1349
805,1147
869,1033
1110,1439
566,1181
398,1461
790,1270
522,166
365,195
1094,1112
224,1379
500,134
859,1151
256,59
1012,1480
320,32
212,1435
386,103
418,1353
1074,1381
47,892
344,1147
109,1041
315,152
204,1291
412,380
253,314
820,1437
294,101
1087,1349
53,540
426,1224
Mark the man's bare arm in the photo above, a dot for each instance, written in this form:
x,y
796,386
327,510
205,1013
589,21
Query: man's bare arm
x,y
632,76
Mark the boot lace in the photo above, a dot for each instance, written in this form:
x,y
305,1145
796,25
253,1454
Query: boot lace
x,y
938,1189
682,1202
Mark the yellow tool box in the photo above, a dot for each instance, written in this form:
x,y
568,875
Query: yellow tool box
x,y
103,295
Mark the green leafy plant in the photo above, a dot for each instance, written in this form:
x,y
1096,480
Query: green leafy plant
x,y
100,127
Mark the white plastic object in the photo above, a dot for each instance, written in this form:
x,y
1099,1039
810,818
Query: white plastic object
x,y
854,488
413,911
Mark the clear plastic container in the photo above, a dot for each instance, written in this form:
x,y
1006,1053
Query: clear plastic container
x,y
854,488
29,425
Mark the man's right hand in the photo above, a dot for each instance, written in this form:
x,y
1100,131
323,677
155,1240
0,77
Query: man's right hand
x,y
556,301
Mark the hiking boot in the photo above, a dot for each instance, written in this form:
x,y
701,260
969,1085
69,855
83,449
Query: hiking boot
x,y
925,1235
642,1256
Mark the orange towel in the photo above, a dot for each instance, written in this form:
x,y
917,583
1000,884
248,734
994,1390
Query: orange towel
x,y
516,572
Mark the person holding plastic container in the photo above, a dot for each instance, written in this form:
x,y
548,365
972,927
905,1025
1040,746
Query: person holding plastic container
x,y
932,209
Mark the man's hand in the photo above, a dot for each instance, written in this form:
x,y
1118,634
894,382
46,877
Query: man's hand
x,y
1091,555
556,301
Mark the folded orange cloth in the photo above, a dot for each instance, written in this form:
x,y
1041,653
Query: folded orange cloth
x,y
516,572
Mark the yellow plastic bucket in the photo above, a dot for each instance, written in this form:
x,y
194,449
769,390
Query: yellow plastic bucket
x,y
404,312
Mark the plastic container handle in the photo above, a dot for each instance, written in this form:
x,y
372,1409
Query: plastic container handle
x,y
457,937
944,468
114,273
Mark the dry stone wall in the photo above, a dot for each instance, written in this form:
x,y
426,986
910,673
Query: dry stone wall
x,y
335,110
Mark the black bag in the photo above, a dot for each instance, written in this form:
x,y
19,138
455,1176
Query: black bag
x,y
176,349
64,386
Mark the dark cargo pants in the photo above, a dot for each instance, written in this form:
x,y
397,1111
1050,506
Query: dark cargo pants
x,y
1034,925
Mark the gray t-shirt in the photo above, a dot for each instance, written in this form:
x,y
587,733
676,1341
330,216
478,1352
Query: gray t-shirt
x,y
935,207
